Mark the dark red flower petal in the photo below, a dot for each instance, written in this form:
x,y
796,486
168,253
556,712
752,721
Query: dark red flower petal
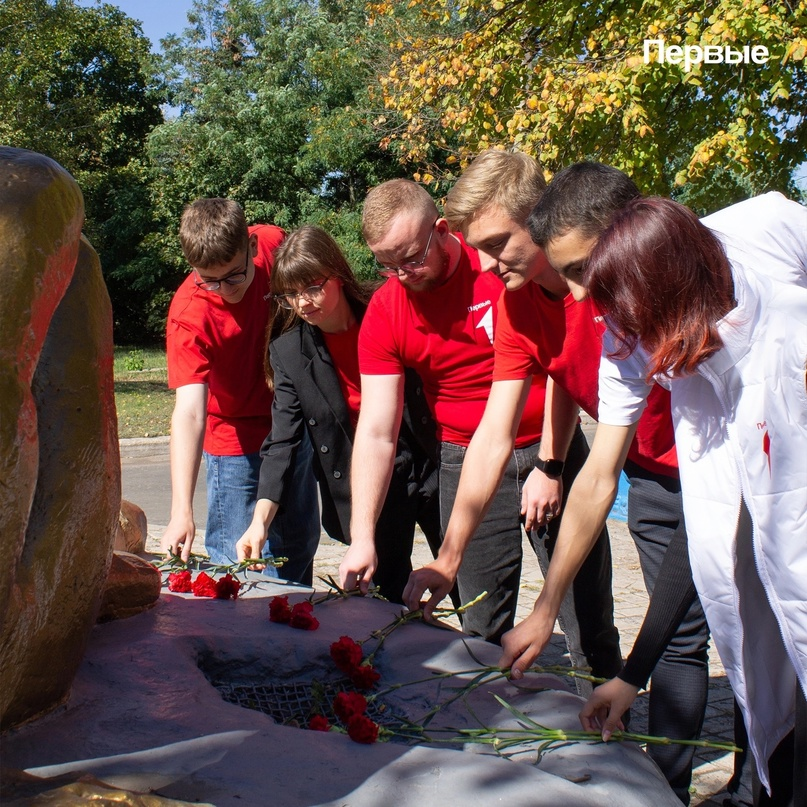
x,y
348,704
204,586
279,610
365,676
319,723
302,618
180,582
346,654
361,729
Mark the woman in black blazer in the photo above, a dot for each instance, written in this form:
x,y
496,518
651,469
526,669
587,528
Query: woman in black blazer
x,y
313,362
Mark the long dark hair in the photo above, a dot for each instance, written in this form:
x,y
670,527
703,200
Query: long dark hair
x,y
663,279
304,258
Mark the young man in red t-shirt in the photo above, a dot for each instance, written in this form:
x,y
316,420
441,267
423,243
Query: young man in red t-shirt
x,y
542,328
438,314
216,339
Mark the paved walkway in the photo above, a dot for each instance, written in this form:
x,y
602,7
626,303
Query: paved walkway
x,y
713,769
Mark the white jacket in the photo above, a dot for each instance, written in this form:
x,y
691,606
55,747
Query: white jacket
x,y
741,435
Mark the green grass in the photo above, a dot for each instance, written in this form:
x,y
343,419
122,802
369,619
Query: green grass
x,y
142,397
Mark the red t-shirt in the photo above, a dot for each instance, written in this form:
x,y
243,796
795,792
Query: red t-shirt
x,y
446,334
222,345
564,339
344,350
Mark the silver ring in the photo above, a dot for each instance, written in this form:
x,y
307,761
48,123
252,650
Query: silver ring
x,y
549,516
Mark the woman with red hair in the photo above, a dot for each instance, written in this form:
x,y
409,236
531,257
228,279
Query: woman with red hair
x,y
730,343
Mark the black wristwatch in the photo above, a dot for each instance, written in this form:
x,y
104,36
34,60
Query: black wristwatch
x,y
552,468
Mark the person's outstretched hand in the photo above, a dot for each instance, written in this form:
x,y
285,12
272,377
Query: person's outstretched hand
x,y
434,578
606,705
250,545
178,537
524,643
357,568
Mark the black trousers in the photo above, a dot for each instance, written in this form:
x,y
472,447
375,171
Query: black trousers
x,y
412,498
492,562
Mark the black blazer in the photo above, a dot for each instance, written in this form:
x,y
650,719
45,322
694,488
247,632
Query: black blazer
x,y
308,396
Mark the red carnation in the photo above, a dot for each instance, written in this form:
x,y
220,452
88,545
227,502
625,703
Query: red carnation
x,y
364,677
227,587
180,582
319,723
204,586
349,704
346,654
279,610
302,616
361,729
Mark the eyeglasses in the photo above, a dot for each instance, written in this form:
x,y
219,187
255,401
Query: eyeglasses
x,y
410,267
233,279
313,294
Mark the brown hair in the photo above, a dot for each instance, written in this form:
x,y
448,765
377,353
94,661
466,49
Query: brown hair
x,y
662,279
212,232
389,199
305,257
511,180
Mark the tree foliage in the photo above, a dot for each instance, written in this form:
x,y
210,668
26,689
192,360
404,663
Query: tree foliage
x,y
76,84
295,108
273,107
569,81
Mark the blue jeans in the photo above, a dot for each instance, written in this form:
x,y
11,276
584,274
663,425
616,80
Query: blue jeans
x,y
232,487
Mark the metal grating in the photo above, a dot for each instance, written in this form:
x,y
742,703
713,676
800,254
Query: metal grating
x,y
293,704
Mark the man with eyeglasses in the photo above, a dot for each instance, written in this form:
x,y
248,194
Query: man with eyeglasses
x,y
436,314
216,335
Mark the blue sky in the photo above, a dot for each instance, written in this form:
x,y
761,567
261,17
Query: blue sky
x,y
158,17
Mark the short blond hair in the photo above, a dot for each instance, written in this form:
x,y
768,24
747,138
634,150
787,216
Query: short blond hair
x,y
511,180
388,200
212,232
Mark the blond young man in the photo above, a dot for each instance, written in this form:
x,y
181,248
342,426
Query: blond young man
x,y
489,205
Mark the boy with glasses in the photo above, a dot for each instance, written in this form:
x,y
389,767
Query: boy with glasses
x,y
216,337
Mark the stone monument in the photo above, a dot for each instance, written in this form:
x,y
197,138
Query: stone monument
x,y
59,457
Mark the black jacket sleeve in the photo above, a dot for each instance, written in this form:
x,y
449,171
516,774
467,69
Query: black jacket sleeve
x,y
280,446
673,595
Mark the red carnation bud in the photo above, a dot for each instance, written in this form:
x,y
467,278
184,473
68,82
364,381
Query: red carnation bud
x,y
302,616
204,586
364,677
227,587
319,723
346,654
348,704
180,582
279,609
361,729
